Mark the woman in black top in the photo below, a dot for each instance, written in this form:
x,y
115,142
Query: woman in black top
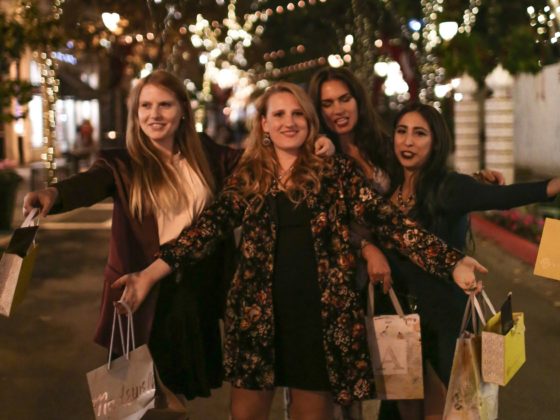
x,y
428,192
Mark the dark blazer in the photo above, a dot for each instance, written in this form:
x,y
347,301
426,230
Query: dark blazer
x,y
133,244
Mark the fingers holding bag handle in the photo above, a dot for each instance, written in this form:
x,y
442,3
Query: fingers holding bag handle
x,y
392,296
32,219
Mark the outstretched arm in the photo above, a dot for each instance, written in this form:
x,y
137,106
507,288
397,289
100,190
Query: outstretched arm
x,y
397,231
83,189
462,194
194,243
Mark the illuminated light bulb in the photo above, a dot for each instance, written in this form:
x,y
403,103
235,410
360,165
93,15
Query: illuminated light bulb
x,y
447,30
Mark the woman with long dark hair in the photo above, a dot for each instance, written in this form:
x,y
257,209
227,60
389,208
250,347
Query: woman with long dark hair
x,y
425,189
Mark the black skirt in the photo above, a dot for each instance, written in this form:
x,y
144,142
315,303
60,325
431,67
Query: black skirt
x,y
185,340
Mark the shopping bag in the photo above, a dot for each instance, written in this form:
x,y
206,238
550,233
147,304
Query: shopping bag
x,y
548,256
503,352
396,352
124,388
17,264
468,396
129,388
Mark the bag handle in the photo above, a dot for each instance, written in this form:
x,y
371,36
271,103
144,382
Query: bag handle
x,y
33,214
394,301
474,309
129,332
488,302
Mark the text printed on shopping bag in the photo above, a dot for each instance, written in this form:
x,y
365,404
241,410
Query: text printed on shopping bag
x,y
393,357
129,393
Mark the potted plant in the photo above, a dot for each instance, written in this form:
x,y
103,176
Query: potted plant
x,y
9,183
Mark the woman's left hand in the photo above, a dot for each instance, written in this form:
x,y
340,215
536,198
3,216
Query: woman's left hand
x,y
490,176
464,274
324,147
136,288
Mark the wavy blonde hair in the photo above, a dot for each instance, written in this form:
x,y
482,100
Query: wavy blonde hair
x,y
155,183
257,169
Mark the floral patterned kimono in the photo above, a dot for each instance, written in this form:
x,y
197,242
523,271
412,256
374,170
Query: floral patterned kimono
x,y
344,197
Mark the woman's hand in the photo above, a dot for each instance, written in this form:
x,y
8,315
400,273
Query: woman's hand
x,y
138,285
324,147
490,176
378,267
553,187
136,288
464,274
44,199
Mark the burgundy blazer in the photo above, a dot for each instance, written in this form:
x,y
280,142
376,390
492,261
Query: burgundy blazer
x,y
133,244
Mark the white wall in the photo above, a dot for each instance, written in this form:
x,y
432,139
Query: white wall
x,y
537,121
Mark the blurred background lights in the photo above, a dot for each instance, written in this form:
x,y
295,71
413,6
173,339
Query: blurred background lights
x,y
414,25
447,30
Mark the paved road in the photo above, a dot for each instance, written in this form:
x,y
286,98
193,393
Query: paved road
x,y
46,347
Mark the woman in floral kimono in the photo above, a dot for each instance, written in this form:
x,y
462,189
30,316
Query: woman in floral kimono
x,y
293,316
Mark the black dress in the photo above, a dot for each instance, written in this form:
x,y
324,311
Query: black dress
x,y
299,352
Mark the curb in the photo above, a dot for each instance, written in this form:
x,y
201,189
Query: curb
x,y
513,244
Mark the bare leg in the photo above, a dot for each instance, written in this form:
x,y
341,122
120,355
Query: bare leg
x,y
248,404
311,405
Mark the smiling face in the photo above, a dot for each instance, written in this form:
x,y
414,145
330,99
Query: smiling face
x,y
412,141
286,123
159,115
338,107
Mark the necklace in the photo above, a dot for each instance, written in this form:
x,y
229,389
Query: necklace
x,y
404,205
285,174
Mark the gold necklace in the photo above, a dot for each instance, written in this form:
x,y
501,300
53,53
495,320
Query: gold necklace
x,y
405,205
285,173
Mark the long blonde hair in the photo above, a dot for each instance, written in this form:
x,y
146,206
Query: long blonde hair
x,y
155,184
257,169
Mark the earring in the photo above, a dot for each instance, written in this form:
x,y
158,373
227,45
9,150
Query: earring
x,y
267,141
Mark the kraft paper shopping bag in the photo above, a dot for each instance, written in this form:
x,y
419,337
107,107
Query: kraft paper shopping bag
x,y
16,265
468,396
548,257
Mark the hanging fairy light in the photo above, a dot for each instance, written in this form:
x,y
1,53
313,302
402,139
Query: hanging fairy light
x,y
431,34
546,22
49,94
223,46
264,14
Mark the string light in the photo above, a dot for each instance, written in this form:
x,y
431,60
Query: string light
x,y
49,94
264,14
546,22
